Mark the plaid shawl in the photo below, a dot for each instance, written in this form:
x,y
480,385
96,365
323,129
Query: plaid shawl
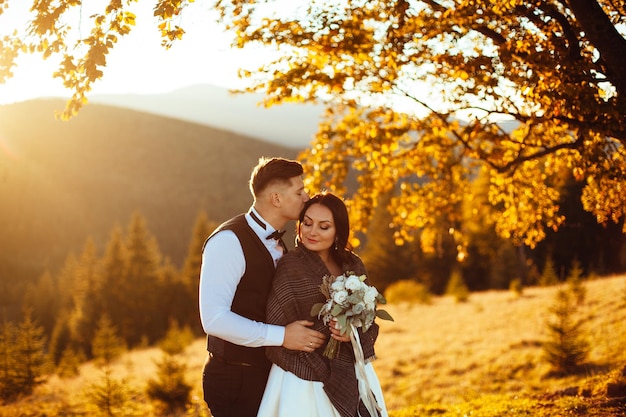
x,y
295,290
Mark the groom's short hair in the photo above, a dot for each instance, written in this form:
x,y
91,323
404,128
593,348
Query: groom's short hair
x,y
273,170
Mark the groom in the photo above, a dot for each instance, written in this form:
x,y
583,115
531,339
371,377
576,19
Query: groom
x,y
238,262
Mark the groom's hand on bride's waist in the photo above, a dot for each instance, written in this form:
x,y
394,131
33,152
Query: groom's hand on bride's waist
x,y
298,336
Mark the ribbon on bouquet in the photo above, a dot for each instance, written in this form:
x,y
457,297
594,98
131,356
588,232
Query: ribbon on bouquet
x,y
365,392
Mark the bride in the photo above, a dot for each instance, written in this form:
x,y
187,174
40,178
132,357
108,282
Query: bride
x,y
308,384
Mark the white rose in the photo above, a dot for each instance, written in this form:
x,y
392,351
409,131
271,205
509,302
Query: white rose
x,y
337,285
358,308
353,283
370,295
340,297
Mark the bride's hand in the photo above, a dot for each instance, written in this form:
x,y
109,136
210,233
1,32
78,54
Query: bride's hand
x,y
335,332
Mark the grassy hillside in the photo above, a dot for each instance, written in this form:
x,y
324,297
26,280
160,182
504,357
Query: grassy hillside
x,y
449,354
61,182
479,358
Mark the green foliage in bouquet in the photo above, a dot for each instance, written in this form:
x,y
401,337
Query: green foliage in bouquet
x,y
350,302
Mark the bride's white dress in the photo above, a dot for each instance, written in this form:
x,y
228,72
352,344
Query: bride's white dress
x,y
286,395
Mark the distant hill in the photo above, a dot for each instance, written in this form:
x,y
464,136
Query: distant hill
x,y
61,182
290,124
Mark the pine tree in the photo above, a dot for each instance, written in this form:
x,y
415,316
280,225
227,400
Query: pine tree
x,y
84,301
170,388
193,261
24,363
69,363
62,335
176,340
114,282
106,345
41,298
548,275
140,299
65,279
504,266
109,396
190,273
575,282
86,286
172,297
8,388
566,347
61,338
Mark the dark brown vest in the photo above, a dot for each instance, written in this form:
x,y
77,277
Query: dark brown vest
x,y
250,299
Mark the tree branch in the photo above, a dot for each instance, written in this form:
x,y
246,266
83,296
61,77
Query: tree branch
x,y
605,38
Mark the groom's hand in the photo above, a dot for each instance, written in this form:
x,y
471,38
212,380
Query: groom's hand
x,y
298,336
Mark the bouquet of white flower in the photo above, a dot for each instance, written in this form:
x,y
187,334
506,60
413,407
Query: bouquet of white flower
x,y
352,303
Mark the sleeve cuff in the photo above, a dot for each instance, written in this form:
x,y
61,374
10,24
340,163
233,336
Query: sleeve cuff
x,y
275,335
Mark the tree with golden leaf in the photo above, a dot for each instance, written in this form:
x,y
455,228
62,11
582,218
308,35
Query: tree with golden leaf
x,y
417,93
555,69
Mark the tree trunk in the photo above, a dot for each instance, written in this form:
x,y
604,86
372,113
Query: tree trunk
x,y
605,38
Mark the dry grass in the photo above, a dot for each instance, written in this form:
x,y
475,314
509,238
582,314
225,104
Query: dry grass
x,y
450,353
442,359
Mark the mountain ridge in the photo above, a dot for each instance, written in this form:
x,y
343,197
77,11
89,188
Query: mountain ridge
x,y
62,182
289,124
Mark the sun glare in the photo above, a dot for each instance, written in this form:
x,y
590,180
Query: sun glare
x,y
32,78
189,61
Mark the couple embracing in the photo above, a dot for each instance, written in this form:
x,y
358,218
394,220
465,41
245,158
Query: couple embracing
x,y
265,349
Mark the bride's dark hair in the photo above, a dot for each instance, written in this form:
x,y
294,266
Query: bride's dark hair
x,y
340,250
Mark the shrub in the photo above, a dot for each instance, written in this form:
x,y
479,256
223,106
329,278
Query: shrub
x,y
566,348
407,291
457,288
170,388
516,287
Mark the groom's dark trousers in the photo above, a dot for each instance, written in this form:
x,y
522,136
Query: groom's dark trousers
x,y
233,389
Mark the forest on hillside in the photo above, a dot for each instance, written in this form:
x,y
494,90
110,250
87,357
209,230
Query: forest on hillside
x,y
64,181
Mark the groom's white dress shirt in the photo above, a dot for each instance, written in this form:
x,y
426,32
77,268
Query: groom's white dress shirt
x,y
223,265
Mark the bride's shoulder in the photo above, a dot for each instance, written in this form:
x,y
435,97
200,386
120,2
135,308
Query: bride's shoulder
x,y
356,262
290,258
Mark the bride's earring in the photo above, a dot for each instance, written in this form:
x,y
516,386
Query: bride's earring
x,y
336,245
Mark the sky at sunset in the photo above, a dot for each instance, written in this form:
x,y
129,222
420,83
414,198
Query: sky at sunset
x,y
138,63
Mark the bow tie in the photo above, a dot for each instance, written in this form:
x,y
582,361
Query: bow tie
x,y
276,235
